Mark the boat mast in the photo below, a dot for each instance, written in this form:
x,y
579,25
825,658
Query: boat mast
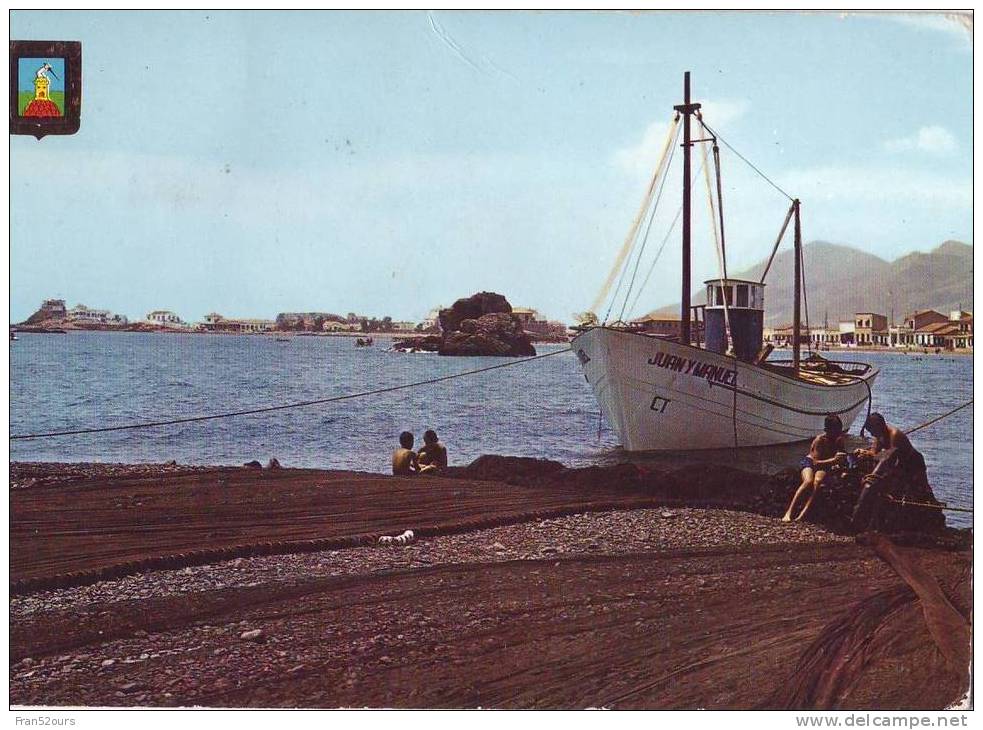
x,y
686,109
797,290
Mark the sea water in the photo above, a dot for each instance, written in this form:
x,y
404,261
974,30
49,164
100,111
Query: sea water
x,y
542,408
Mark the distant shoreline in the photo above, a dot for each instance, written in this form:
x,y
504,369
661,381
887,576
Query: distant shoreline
x,y
283,334
29,329
896,350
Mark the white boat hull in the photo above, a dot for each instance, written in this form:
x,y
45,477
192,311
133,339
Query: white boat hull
x,y
662,395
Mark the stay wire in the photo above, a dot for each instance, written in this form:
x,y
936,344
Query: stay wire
x,y
285,406
805,296
632,238
648,275
648,228
748,162
662,246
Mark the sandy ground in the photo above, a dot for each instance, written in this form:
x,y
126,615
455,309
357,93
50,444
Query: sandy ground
x,y
627,608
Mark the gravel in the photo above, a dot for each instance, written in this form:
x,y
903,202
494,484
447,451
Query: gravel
x,y
607,533
25,474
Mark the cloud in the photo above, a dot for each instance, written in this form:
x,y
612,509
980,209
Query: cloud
x,y
723,112
934,140
641,158
885,184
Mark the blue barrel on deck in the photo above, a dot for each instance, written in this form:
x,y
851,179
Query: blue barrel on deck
x,y
745,309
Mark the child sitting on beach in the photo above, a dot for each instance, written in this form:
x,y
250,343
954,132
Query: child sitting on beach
x,y
828,449
433,455
404,458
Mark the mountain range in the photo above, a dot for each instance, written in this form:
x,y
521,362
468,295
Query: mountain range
x,y
842,280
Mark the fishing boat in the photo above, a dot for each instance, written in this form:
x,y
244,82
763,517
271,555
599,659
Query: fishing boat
x,y
684,392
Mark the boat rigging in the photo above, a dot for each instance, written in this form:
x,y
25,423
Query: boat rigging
x,y
676,392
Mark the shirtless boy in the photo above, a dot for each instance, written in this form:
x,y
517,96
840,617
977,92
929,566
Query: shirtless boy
x,y
828,449
404,458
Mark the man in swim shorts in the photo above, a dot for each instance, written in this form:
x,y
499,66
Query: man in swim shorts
x,y
827,449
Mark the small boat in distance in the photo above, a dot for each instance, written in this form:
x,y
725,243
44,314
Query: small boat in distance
x,y
367,342
674,392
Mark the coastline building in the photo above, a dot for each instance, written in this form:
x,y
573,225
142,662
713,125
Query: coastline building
x,y
782,336
310,321
900,336
848,333
664,325
527,316
53,309
870,329
333,326
404,326
431,323
81,314
215,322
964,321
923,318
165,318
825,337
534,323
937,334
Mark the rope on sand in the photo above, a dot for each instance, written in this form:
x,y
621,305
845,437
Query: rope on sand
x,y
285,406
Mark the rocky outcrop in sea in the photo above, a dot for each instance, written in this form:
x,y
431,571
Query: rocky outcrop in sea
x,y
482,324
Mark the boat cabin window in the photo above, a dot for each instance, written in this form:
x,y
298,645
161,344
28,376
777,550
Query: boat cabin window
x,y
720,293
742,300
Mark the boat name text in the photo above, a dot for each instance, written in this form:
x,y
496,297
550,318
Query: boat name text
x,y
713,373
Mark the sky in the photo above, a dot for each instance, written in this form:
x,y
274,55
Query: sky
x,y
252,163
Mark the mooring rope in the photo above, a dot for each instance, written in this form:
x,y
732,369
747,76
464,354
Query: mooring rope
x,y
939,418
941,506
284,406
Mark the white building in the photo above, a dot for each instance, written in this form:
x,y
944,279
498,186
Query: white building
x,y
432,320
825,336
82,314
335,326
165,318
215,322
848,332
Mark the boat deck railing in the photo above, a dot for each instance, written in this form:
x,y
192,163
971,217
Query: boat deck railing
x,y
839,367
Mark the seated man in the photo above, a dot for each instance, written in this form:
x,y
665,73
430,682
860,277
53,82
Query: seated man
x,y
896,457
433,455
828,449
404,458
